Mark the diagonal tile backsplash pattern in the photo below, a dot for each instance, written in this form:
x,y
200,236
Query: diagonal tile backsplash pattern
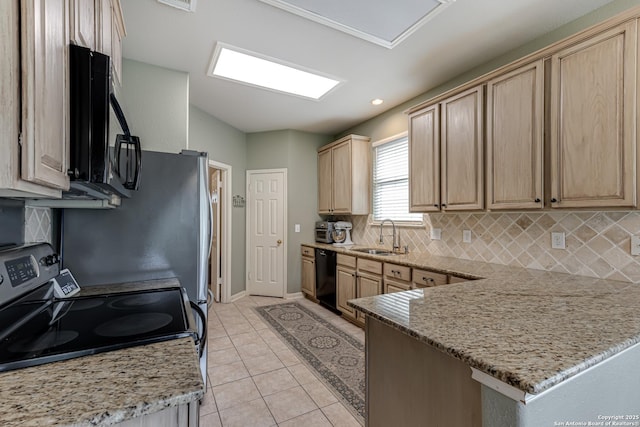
x,y
598,244
37,225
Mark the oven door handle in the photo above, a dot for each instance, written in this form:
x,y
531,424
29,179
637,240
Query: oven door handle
x,y
202,339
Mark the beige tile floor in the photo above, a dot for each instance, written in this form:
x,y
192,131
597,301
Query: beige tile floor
x,y
255,380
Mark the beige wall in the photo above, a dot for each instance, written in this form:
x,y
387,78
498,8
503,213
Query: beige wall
x,y
297,152
228,145
155,101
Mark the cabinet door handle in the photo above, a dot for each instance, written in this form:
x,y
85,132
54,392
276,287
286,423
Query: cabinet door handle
x,y
554,200
537,200
444,205
436,205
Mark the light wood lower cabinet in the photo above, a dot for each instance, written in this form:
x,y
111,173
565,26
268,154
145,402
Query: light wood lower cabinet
x,y
308,271
426,278
397,278
410,383
369,281
345,289
593,122
345,284
368,285
456,279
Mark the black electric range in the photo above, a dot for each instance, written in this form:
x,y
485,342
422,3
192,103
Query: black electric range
x,y
36,327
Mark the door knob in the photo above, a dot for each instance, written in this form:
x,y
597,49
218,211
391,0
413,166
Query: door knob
x,y
279,242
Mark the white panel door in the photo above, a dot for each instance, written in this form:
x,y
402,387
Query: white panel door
x,y
267,217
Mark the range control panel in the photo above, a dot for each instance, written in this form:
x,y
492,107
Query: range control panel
x,y
25,268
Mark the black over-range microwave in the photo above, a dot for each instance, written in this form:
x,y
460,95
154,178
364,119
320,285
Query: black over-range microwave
x,y
96,169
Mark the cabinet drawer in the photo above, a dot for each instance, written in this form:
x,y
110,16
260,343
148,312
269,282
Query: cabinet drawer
x,y
346,260
425,278
391,286
307,251
398,272
457,279
371,266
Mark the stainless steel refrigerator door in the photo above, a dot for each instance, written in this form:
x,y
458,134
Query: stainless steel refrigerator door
x,y
156,234
205,218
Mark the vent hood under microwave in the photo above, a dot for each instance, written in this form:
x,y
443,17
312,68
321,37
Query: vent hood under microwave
x,y
96,170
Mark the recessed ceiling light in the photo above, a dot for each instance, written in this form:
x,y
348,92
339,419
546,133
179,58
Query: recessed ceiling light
x,y
376,101
253,69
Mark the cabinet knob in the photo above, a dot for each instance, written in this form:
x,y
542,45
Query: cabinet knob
x,y
436,205
537,200
444,205
554,200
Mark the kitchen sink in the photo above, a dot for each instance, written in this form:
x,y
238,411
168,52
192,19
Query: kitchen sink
x,y
373,251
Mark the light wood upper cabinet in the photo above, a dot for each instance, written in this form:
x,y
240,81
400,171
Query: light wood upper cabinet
x,y
462,169
82,22
424,160
446,154
34,106
45,93
118,32
325,182
515,112
341,177
344,174
593,93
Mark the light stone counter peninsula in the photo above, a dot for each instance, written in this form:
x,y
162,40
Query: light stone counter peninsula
x,y
153,381
518,347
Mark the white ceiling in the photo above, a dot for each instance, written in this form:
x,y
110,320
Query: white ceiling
x,y
465,34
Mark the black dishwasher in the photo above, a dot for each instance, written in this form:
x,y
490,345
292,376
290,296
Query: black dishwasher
x,y
326,278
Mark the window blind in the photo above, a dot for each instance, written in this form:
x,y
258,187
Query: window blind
x,y
391,182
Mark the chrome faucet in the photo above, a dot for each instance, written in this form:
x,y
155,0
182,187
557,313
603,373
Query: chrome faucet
x,y
396,245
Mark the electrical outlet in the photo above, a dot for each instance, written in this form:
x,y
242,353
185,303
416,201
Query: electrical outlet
x,y
436,233
466,236
557,240
635,245
297,228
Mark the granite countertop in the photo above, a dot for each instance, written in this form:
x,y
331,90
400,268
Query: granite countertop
x,y
531,329
105,388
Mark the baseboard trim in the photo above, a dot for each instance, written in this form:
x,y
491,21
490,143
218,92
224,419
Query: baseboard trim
x,y
237,296
294,295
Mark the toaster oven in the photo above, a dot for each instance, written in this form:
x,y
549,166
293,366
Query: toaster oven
x,y
323,231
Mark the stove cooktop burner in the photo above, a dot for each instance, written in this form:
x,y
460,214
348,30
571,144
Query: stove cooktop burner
x,y
85,304
49,339
137,300
81,326
133,324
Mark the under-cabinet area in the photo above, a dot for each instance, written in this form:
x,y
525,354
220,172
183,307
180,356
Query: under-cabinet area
x,y
358,276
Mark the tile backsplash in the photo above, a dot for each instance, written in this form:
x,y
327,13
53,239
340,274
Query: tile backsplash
x,y
37,225
598,244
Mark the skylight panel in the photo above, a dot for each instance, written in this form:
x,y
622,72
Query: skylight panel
x,y
258,70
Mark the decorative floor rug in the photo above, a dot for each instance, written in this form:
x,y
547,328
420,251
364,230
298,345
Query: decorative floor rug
x,y
337,357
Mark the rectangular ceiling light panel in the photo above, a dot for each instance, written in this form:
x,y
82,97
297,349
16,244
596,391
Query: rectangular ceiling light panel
x,y
383,22
250,68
